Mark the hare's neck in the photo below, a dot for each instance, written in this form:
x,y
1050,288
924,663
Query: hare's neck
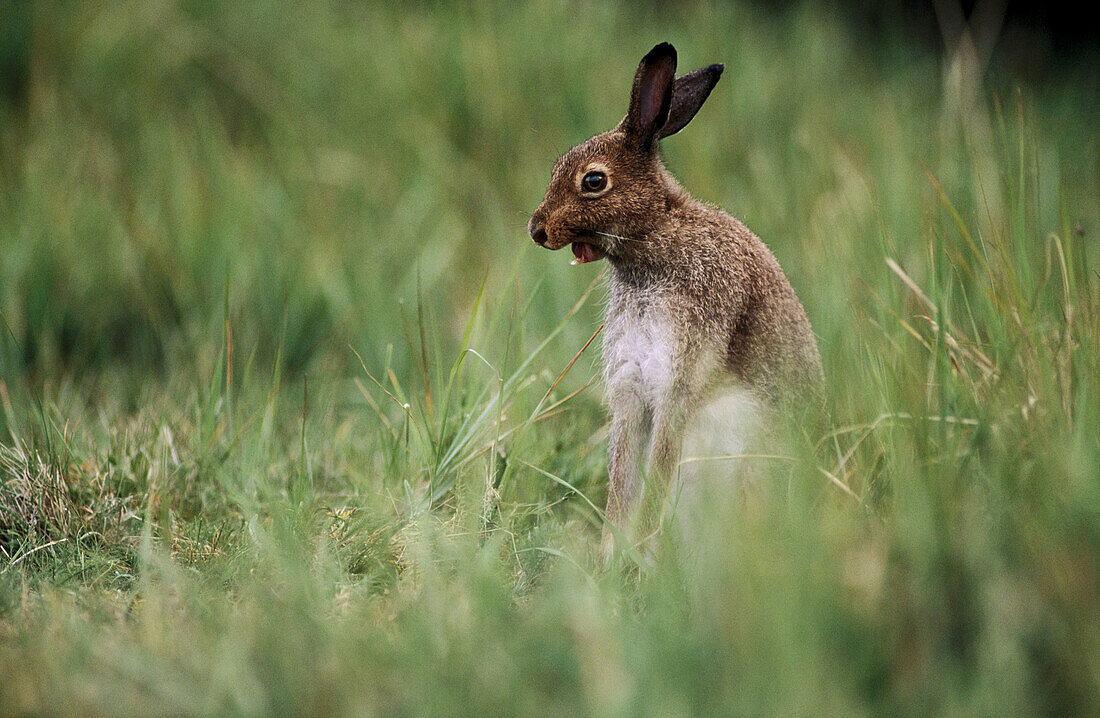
x,y
651,256
639,271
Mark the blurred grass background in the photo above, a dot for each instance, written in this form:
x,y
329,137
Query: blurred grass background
x,y
283,430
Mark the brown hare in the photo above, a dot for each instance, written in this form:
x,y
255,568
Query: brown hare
x,y
703,328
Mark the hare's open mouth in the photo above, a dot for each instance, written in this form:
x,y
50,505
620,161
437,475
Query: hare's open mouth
x,y
584,252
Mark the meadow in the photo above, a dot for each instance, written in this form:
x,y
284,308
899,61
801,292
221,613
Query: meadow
x,y
296,419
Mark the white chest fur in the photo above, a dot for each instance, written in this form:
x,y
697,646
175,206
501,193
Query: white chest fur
x,y
638,350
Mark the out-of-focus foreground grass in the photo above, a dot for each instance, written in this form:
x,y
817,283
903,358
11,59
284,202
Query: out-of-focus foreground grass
x,y
283,429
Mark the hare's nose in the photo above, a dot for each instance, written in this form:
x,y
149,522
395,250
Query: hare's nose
x,y
538,234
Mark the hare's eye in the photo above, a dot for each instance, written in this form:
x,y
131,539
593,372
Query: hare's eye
x,y
594,181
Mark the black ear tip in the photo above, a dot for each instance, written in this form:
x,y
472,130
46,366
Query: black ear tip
x,y
716,70
660,51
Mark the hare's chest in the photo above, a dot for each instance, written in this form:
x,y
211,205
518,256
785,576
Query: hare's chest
x,y
639,354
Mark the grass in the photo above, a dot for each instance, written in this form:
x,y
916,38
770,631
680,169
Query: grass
x,y
296,419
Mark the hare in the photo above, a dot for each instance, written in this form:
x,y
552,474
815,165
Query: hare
x,y
702,324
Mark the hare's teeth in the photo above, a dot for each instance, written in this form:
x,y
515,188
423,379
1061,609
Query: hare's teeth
x,y
576,262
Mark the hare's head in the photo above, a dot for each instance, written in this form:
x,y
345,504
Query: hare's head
x,y
613,187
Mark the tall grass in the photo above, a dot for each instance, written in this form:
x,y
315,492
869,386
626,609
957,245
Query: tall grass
x,y
296,419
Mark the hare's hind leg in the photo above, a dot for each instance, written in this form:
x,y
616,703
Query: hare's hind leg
x,y
719,460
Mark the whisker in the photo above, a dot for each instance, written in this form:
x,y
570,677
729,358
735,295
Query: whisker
x,y
615,236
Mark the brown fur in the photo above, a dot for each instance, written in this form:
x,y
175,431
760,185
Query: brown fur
x,y
735,320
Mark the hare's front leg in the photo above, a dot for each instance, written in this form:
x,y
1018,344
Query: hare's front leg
x,y
670,419
667,441
629,435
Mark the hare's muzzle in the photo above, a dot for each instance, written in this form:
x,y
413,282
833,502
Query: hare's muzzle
x,y
537,230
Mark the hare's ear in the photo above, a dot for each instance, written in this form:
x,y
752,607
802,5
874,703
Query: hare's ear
x,y
651,96
689,93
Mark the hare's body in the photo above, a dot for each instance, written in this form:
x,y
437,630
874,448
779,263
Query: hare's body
x,y
702,326
723,295
699,346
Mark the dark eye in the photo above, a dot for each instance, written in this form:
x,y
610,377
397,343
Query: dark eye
x,y
594,181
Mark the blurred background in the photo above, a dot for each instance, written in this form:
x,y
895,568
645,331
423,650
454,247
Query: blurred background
x,y
309,165
290,423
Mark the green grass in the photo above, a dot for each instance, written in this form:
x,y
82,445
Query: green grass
x,y
290,422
